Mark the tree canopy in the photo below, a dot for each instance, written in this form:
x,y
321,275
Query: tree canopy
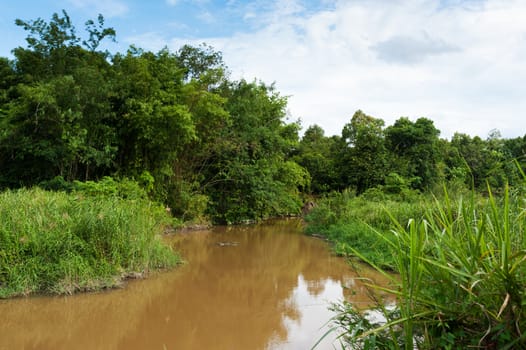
x,y
200,142
204,144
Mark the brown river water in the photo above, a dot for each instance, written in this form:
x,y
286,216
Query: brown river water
x,y
261,286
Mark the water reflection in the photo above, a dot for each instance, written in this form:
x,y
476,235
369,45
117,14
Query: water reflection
x,y
270,290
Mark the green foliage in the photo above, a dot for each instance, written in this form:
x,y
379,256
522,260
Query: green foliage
x,y
406,156
107,187
461,277
251,177
154,126
485,161
351,222
258,191
146,181
97,33
366,331
58,183
201,63
56,118
73,117
187,202
53,242
416,151
316,153
202,144
364,157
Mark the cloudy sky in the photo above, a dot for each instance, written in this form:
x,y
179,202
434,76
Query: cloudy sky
x,y
461,63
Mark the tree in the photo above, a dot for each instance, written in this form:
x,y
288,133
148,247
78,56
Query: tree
x,y
54,48
486,161
364,157
8,80
415,150
515,150
153,122
58,121
253,178
316,154
97,33
202,70
201,63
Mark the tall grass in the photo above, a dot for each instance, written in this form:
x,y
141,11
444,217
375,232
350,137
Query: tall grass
x,y
461,281
53,242
352,223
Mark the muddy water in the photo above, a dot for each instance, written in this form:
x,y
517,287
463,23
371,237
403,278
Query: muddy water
x,y
267,288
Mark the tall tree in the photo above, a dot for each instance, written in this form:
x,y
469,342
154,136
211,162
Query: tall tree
x,y
316,153
415,150
253,177
203,73
365,154
55,121
153,123
515,149
485,161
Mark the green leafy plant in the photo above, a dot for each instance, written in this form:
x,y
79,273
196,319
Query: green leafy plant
x,y
461,276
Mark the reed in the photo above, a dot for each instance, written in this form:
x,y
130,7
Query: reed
x,y
53,242
461,279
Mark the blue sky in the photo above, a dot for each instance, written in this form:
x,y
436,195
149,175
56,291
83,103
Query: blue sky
x,y
461,63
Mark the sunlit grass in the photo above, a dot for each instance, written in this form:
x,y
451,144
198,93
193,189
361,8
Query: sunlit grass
x,y
351,224
461,279
53,242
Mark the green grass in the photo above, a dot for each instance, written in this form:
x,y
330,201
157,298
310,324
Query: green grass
x,y
461,279
351,223
53,242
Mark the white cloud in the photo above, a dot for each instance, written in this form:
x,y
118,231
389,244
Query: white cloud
x,y
110,8
207,17
407,49
466,61
151,41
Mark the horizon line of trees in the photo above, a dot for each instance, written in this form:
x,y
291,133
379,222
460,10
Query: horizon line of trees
x,y
407,155
200,142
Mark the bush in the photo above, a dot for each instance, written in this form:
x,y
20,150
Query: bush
x,y
108,186
186,202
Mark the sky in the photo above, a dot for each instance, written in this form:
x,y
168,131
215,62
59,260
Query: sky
x,y
460,63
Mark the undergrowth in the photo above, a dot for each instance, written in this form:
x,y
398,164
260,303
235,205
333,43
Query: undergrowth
x,y
460,278
350,222
60,243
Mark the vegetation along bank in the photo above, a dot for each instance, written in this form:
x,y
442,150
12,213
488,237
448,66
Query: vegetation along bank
x,y
60,243
95,145
459,263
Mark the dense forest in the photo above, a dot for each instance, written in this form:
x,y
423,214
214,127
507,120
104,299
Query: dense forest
x,y
201,143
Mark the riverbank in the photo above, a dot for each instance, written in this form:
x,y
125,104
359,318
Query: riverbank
x,y
461,267
62,243
351,224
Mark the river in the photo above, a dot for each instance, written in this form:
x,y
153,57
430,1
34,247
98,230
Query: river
x,y
262,286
